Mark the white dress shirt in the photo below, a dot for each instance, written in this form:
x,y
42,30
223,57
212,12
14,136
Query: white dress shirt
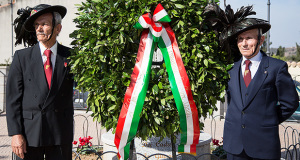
x,y
255,61
53,54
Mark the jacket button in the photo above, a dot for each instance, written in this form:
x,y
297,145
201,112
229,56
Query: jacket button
x,y
246,94
43,112
243,112
243,126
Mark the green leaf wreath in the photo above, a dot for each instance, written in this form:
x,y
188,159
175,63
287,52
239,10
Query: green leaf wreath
x,y
105,48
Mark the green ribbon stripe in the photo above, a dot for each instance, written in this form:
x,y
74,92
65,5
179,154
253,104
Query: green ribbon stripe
x,y
140,101
175,91
181,148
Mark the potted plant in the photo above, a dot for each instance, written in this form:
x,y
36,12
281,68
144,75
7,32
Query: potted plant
x,y
85,149
217,149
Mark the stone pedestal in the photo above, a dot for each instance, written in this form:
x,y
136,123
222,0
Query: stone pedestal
x,y
153,146
109,145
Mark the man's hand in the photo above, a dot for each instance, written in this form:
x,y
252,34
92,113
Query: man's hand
x,y
18,145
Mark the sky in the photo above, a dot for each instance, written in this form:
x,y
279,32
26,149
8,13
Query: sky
x,y
284,19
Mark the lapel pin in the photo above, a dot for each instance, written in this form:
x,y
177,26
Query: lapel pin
x,y
65,64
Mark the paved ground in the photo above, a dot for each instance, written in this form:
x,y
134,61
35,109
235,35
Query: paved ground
x,y
82,120
5,151
84,126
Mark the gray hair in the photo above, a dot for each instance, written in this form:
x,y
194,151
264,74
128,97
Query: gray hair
x,y
57,18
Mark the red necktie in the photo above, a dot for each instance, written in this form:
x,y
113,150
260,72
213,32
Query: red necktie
x,y
48,67
247,73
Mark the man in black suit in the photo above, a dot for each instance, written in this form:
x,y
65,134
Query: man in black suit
x,y
261,92
39,91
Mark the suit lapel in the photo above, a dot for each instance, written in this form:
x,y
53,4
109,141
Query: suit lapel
x,y
37,70
58,74
258,79
235,76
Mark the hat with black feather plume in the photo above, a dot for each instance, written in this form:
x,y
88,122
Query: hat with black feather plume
x,y
24,22
28,38
228,25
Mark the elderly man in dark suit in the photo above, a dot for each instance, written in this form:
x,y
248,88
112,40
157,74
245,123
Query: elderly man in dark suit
x,y
261,93
40,89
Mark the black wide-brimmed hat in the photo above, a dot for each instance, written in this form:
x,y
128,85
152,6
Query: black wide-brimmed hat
x,y
247,24
40,10
228,25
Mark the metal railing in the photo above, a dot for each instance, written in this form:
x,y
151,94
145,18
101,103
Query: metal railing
x,y
181,156
291,141
85,132
4,92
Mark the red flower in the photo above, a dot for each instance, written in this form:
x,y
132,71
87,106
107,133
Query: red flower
x,y
85,139
215,142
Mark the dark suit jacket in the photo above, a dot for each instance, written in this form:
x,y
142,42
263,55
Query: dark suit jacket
x,y
43,117
271,99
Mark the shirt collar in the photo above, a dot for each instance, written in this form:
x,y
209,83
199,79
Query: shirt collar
x,y
53,48
254,60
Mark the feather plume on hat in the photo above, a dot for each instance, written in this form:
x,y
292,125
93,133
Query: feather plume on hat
x,y
28,38
228,25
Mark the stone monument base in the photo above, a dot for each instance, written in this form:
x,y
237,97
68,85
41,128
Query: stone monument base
x,y
153,146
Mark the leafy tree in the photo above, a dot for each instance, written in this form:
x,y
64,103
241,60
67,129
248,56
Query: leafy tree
x,y
297,56
280,51
105,47
298,50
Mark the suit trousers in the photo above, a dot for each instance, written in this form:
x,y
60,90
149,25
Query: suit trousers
x,y
61,152
243,156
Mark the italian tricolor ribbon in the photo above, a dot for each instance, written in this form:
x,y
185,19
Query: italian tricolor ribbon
x,y
157,31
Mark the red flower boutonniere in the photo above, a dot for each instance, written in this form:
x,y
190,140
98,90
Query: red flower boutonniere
x,y
65,64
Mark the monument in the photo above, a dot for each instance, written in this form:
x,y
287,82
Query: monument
x,y
153,146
